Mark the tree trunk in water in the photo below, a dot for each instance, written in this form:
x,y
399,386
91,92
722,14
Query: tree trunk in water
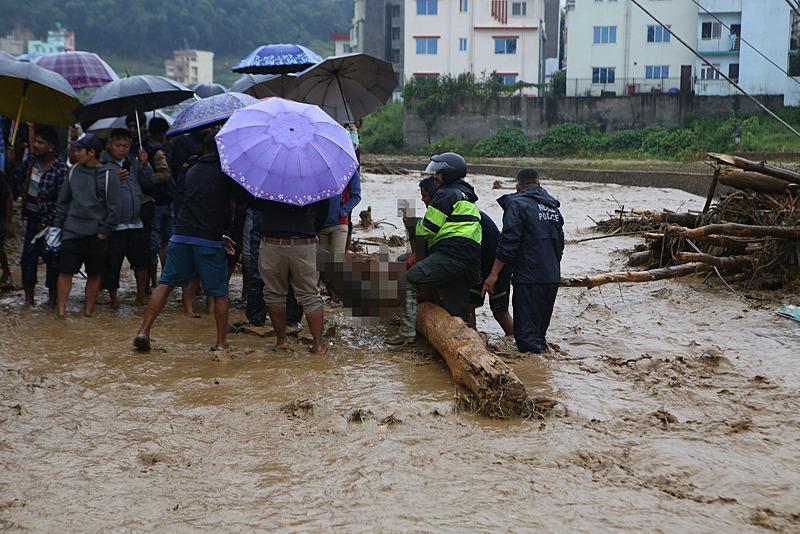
x,y
684,219
757,166
366,219
740,230
640,258
722,262
753,181
652,275
499,391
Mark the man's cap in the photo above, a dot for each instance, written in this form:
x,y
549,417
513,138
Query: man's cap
x,y
89,142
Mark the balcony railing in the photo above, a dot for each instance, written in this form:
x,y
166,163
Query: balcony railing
x,y
726,45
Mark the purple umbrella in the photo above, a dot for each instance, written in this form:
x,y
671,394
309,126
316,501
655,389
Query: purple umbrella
x,y
81,69
287,152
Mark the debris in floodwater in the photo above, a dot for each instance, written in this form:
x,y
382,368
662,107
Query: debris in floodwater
x,y
390,420
538,407
437,413
151,458
665,417
298,407
359,416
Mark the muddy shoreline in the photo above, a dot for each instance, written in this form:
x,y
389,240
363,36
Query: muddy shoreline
x,y
679,412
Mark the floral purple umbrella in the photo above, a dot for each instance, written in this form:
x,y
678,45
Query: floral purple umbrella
x,y
287,152
81,69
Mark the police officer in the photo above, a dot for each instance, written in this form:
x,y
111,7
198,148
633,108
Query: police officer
x,y
532,243
452,229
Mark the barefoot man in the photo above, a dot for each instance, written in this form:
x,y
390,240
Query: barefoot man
x,y
199,245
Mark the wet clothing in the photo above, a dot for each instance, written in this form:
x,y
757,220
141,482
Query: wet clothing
x,y
452,224
89,251
205,212
340,207
131,189
187,261
531,244
88,203
288,221
159,156
499,300
31,252
131,244
533,308
532,241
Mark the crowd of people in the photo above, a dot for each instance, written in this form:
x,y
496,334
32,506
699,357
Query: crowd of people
x,y
169,203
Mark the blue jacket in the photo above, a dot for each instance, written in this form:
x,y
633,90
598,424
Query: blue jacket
x,y
532,240
338,211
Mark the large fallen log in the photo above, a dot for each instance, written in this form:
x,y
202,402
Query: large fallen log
x,y
651,275
498,390
757,166
684,219
753,181
721,262
740,230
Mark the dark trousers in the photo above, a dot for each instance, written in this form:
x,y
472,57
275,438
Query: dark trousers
x,y
29,262
452,278
256,309
131,244
533,308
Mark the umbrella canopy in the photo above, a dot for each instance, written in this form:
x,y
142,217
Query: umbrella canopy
x,y
347,87
204,90
266,85
5,55
277,59
29,93
103,127
287,151
140,93
209,111
80,69
28,57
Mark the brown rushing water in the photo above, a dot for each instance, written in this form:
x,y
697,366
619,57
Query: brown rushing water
x,y
96,437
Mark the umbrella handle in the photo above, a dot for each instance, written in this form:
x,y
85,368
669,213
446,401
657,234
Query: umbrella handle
x,y
138,128
19,112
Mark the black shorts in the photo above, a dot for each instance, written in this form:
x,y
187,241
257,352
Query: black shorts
x,y
499,301
91,252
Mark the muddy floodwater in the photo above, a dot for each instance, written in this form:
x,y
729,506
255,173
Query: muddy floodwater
x,y
678,411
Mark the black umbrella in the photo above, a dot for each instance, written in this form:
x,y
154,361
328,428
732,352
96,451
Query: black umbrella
x,y
133,94
347,87
204,90
31,93
266,85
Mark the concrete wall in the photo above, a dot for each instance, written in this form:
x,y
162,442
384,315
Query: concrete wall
x,y
473,119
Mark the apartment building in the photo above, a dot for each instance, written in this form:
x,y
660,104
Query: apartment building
x,y
615,48
452,37
767,26
377,29
190,66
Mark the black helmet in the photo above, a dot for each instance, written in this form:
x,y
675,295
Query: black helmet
x,y
451,165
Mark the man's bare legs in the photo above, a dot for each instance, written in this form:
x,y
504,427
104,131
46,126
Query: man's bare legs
x,y
64,287
277,315
316,321
158,299
505,321
92,289
221,319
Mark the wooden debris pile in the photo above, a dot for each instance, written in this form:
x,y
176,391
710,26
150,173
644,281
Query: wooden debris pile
x,y
751,235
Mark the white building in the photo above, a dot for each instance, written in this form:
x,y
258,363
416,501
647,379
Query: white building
x,y
190,66
475,36
614,47
723,37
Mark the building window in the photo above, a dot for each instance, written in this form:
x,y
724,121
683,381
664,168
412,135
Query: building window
x,y
507,79
462,44
657,34
395,55
733,72
605,34
427,7
707,73
710,30
656,72
395,34
519,9
427,45
463,5
603,74
395,12
505,45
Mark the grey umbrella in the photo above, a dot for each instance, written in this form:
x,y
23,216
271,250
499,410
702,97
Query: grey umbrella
x,y
133,94
204,90
347,87
266,85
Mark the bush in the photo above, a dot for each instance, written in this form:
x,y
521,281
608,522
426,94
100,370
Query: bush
x,y
382,131
563,139
506,142
451,143
659,142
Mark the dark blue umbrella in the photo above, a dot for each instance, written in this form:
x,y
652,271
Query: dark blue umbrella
x,y
277,59
204,90
209,111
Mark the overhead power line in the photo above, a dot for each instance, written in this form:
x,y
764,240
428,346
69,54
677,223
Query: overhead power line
x,y
715,69
742,39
